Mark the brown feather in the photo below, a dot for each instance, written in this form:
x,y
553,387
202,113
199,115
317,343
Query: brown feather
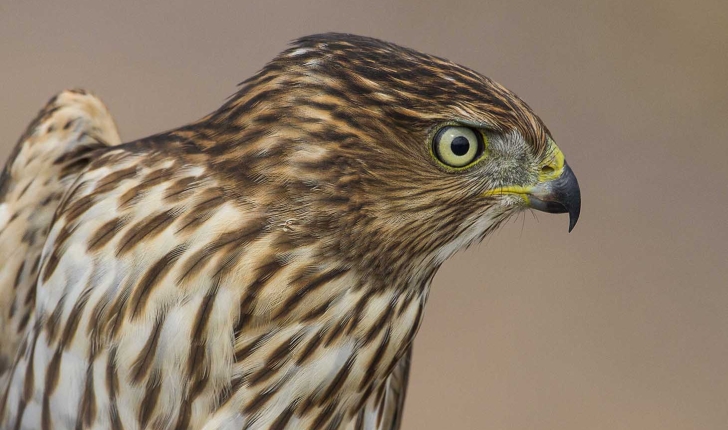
x,y
264,267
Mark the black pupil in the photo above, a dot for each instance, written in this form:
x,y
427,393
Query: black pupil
x,y
460,146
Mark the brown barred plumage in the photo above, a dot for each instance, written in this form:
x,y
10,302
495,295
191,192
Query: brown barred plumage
x,y
265,267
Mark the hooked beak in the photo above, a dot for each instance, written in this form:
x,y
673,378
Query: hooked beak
x,y
560,195
557,195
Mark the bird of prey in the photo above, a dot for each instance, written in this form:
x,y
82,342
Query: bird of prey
x,y
267,266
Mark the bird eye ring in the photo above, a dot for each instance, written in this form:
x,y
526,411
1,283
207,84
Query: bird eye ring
x,y
457,146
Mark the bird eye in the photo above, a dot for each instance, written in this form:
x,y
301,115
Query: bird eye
x,y
457,146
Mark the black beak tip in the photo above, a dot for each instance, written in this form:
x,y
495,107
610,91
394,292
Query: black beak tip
x,y
573,218
572,197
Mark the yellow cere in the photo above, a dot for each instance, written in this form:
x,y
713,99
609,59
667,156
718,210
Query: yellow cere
x,y
554,160
554,163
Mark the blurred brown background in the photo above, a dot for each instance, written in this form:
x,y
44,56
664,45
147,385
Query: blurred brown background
x,y
622,324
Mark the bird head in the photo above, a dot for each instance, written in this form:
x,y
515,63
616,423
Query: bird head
x,y
388,154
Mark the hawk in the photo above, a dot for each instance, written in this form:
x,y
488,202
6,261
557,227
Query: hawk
x,y
267,266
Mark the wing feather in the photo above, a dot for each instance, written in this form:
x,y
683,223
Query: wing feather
x,y
48,156
118,294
